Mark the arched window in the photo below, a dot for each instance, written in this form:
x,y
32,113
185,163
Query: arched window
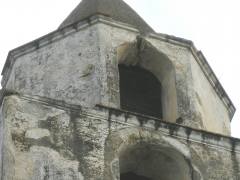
x,y
140,91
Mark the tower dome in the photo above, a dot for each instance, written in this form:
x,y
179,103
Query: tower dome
x,y
115,9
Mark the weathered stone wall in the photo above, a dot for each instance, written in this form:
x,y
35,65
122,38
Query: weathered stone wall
x,y
38,142
198,101
115,37
82,68
192,86
68,69
46,139
209,107
53,127
179,56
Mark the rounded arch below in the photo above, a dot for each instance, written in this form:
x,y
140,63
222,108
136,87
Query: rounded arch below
x,y
147,155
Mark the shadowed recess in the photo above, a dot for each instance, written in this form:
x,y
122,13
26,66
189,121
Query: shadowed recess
x,y
140,91
132,176
153,162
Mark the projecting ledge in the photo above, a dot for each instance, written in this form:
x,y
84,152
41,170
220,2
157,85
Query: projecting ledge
x,y
213,140
129,119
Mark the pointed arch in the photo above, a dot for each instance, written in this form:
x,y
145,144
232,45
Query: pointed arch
x,y
143,54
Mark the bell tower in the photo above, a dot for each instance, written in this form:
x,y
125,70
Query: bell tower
x,y
105,97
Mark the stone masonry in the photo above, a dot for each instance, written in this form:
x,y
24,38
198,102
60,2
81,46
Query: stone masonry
x,y
61,115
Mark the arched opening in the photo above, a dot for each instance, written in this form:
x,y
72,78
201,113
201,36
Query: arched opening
x,y
143,54
140,91
146,162
148,155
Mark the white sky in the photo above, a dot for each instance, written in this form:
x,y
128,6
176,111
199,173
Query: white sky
x,y
213,25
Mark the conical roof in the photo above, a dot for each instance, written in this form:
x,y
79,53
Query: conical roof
x,y
116,9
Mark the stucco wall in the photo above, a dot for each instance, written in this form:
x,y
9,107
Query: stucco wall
x,y
179,55
209,107
198,102
68,69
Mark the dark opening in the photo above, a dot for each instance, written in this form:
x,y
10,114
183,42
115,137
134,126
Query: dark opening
x,y
132,176
140,91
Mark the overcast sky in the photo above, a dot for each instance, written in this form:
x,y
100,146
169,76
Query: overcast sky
x,y
213,25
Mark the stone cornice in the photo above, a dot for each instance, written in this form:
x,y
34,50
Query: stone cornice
x,y
103,113
62,33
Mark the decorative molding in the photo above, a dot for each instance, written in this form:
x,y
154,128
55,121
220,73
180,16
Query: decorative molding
x,y
103,113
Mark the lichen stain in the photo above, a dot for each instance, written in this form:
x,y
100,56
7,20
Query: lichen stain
x,y
173,129
116,113
109,120
179,120
19,141
188,132
79,146
46,173
142,120
126,116
206,136
132,139
157,125
235,163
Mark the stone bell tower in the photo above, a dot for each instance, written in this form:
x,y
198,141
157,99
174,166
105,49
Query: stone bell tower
x,y
105,97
